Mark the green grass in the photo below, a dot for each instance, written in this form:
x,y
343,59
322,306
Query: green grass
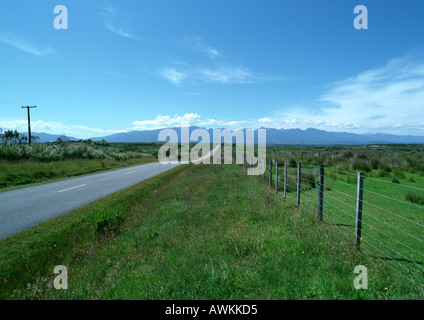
x,y
30,256
27,165
25,173
23,164
392,216
208,232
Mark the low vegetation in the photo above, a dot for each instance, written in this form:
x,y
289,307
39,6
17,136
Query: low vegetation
x,y
207,232
212,232
378,160
392,204
23,164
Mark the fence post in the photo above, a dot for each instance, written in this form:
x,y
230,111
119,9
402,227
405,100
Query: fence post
x,y
270,173
299,176
285,179
320,192
276,176
358,227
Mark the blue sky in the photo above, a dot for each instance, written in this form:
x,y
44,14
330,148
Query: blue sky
x,y
135,65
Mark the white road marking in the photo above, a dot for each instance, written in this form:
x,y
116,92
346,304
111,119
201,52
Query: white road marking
x,y
129,172
72,188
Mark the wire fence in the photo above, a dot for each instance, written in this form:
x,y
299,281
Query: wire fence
x,y
380,216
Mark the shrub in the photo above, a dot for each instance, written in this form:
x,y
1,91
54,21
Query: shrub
x,y
361,165
375,163
348,155
398,174
308,179
415,197
292,162
107,219
381,173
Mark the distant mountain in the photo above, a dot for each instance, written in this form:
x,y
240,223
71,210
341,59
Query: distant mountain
x,y
282,136
45,137
132,136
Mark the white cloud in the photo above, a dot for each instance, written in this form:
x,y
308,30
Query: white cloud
x,y
382,97
79,131
264,120
24,45
193,119
120,31
389,99
109,9
109,15
225,75
173,76
166,121
197,44
217,72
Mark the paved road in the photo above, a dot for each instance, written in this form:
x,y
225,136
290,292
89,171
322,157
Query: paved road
x,y
24,208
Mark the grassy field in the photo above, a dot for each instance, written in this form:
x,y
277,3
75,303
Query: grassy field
x,y
22,164
203,232
393,206
27,173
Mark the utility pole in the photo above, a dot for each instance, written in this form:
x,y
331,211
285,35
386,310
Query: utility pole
x,y
29,121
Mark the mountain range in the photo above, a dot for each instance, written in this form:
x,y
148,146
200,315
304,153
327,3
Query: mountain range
x,y
274,136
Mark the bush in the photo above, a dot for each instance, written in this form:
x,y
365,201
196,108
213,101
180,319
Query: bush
x,y
308,179
375,163
398,174
107,219
415,197
381,173
361,165
46,152
292,162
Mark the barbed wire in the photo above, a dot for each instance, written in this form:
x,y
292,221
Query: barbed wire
x,y
390,258
400,242
348,184
329,195
413,262
391,198
368,243
307,197
388,211
348,195
396,184
388,224
341,172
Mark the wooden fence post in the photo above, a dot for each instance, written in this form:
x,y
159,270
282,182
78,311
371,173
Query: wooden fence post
x,y
285,179
299,176
320,192
358,227
276,176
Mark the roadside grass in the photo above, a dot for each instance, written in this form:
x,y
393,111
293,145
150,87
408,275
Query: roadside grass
x,y
392,226
27,259
29,165
210,232
13,174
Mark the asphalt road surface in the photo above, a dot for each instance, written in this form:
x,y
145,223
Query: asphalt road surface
x,y
24,208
